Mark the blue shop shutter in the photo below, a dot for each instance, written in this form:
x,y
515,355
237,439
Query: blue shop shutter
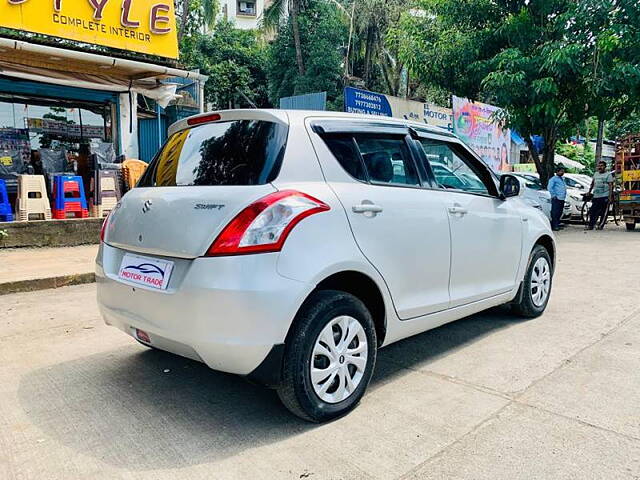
x,y
148,136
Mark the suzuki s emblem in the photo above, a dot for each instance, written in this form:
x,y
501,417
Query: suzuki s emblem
x,y
147,206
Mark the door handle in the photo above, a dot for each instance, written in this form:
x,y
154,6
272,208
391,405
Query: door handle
x,y
366,208
458,210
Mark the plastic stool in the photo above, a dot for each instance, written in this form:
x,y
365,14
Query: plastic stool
x,y
32,198
105,192
133,170
68,197
6,214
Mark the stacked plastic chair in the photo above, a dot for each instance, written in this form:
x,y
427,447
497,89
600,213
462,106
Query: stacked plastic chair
x,y
68,197
105,192
32,198
133,170
6,214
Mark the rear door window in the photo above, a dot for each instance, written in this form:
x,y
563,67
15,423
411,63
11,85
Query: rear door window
x,y
345,150
387,159
240,152
375,158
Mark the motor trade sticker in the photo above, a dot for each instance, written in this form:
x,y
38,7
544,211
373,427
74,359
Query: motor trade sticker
x,y
150,272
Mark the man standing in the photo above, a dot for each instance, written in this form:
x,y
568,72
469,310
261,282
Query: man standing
x,y
602,186
558,191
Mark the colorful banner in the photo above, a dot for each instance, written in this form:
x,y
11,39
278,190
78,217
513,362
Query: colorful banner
x,y
146,26
56,127
372,103
475,124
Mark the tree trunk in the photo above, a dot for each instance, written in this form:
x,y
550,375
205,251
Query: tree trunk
x,y
545,165
387,78
390,73
548,164
534,154
183,19
296,38
599,140
368,47
346,58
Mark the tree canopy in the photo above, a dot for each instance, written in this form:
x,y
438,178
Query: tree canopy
x,y
235,62
534,58
550,64
323,35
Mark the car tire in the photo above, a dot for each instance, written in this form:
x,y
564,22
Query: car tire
x,y
630,226
536,286
327,319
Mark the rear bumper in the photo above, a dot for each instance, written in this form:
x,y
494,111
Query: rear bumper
x,y
227,312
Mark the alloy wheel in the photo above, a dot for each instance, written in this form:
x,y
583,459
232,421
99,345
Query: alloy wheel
x,y
540,281
338,359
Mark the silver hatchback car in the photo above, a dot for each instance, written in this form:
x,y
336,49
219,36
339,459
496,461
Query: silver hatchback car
x,y
288,246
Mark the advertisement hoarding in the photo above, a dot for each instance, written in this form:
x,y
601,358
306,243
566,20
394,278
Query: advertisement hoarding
x,y
146,26
372,103
363,101
438,116
475,124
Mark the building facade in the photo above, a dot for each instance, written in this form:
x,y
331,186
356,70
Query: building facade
x,y
244,14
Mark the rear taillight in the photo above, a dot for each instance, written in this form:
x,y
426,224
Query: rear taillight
x,y
265,224
104,227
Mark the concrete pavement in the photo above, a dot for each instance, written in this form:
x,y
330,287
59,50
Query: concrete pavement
x,y
30,269
490,396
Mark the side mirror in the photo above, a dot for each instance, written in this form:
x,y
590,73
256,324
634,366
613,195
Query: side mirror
x,y
509,186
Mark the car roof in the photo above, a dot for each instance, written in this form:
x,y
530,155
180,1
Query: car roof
x,y
300,116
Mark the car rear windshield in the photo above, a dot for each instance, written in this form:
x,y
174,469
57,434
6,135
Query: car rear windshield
x,y
240,152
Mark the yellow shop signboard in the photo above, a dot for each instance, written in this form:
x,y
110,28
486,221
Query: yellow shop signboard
x,y
146,26
630,175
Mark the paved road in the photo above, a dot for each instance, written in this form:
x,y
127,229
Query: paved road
x,y
486,397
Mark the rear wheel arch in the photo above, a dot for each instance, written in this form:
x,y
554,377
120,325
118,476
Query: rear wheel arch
x,y
362,287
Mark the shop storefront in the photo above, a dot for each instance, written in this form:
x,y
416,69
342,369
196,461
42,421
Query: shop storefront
x,y
63,101
35,117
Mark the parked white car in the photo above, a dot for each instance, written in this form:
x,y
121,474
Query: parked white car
x,y
577,185
535,179
534,194
288,246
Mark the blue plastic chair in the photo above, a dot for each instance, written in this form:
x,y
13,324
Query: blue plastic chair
x,y
6,214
